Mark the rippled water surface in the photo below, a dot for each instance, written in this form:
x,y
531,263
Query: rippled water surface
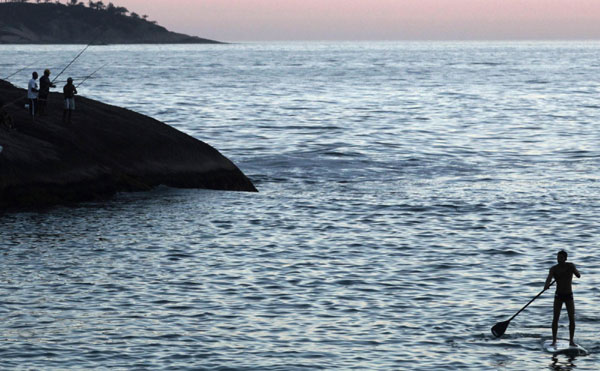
x,y
411,196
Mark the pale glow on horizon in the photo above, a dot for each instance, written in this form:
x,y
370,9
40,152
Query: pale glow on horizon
x,y
256,20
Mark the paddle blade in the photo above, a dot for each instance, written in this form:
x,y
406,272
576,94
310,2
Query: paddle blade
x,y
499,329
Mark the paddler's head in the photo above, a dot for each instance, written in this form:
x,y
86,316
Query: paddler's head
x,y
46,72
34,75
70,80
561,257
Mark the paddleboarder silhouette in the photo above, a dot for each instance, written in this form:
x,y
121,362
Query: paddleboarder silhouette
x,y
563,274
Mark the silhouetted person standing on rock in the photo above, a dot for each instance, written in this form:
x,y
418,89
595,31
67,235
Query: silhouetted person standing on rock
x,y
45,85
563,274
69,92
32,94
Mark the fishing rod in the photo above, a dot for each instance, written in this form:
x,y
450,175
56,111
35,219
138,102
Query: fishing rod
x,y
84,80
16,100
22,69
64,69
78,55
92,74
74,78
68,65
9,76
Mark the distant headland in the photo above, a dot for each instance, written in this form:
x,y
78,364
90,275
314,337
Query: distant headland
x,y
46,22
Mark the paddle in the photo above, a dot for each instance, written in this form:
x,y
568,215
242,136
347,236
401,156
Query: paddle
x,y
500,327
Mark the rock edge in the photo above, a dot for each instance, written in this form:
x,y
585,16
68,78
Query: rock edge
x,y
106,149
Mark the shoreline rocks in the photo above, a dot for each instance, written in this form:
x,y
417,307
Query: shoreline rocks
x,y
107,149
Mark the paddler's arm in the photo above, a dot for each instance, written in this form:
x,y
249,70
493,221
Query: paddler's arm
x,y
549,279
576,272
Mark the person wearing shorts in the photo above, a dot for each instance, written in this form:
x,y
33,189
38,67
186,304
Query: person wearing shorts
x,y
32,94
563,274
69,92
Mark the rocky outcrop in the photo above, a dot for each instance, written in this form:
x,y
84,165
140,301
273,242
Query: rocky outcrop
x,y
52,23
104,150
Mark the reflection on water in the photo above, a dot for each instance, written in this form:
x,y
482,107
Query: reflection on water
x,y
564,363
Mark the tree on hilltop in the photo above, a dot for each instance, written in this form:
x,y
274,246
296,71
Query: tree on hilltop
x,y
98,5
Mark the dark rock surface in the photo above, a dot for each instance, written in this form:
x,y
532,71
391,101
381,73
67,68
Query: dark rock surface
x,y
51,23
104,150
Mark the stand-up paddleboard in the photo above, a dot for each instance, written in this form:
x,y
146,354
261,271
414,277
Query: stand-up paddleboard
x,y
563,347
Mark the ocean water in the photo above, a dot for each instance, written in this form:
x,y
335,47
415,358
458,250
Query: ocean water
x,y
411,196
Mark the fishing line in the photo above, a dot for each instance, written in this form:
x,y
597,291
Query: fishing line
x,y
92,74
64,69
78,55
9,76
22,69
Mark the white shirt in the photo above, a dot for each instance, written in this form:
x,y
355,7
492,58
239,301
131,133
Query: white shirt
x,y
30,93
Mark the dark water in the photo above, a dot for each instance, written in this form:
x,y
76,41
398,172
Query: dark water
x,y
411,196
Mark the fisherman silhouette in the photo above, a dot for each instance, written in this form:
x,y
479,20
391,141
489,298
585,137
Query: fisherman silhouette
x,y
563,274
69,92
45,86
32,94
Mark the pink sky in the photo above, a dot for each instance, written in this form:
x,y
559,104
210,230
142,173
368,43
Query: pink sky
x,y
249,20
